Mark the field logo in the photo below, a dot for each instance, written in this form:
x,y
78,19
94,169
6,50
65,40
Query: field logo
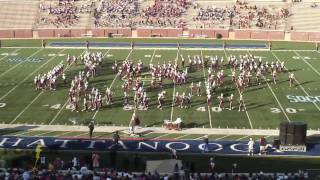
x,y
303,99
25,59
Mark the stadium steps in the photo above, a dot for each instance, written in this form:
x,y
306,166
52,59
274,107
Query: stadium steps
x,y
22,14
305,18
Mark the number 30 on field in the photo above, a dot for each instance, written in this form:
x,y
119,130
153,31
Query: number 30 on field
x,y
2,105
288,110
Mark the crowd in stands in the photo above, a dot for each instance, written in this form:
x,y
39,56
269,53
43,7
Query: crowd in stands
x,y
162,13
116,13
110,174
75,168
63,14
214,15
165,13
242,15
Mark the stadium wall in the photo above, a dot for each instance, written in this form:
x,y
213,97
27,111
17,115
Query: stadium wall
x,y
159,32
259,34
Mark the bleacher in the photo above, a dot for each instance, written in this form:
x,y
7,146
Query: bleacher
x,y
18,14
305,17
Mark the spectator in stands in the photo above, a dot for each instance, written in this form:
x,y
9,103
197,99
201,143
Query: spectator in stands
x,y
95,160
211,164
63,14
116,13
242,15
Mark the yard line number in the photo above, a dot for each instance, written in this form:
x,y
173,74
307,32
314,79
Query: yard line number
x,y
288,110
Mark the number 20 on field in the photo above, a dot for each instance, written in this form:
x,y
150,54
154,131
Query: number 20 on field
x,y
288,110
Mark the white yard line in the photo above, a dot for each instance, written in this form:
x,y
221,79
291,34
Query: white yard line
x,y
204,76
301,87
10,53
49,60
174,89
314,69
26,107
201,137
22,133
114,80
36,96
134,111
2,74
179,137
148,133
154,52
274,95
222,137
163,135
63,107
101,135
242,138
249,119
44,133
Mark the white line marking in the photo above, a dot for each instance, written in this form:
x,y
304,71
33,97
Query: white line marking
x,y
64,105
201,137
10,53
163,135
134,111
174,89
179,137
62,134
249,119
315,70
2,97
34,98
274,95
2,74
242,138
222,137
22,133
114,80
154,52
147,133
204,76
26,107
41,134
301,87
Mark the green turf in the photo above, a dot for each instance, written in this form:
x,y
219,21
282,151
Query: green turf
x,y
267,104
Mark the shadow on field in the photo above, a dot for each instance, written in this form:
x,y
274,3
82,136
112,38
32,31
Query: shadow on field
x,y
8,131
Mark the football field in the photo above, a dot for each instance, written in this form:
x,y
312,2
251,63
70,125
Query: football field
x,y
266,104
